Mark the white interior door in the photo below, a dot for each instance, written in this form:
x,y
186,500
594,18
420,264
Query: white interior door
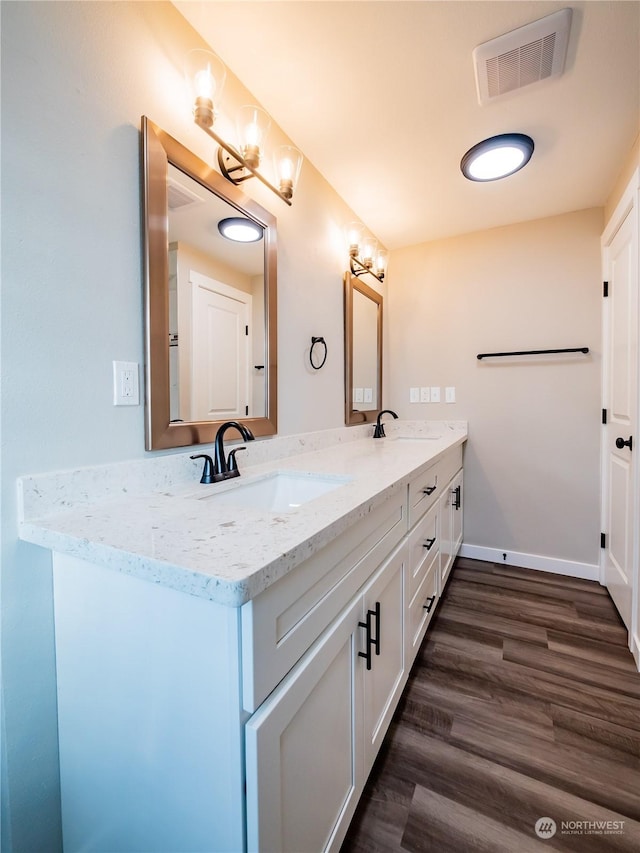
x,y
221,346
621,404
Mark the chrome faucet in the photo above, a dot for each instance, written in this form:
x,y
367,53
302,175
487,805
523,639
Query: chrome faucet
x,y
378,431
220,468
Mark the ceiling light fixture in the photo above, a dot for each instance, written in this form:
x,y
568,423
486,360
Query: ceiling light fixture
x,y
497,157
364,254
205,74
240,230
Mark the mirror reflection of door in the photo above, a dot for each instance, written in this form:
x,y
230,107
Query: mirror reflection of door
x,y
220,349
216,294
365,353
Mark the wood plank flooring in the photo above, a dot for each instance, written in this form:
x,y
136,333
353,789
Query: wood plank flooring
x,y
524,702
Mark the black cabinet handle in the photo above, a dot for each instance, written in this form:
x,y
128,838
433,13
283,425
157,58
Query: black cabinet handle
x,y
456,499
376,640
428,544
369,640
429,604
429,490
620,443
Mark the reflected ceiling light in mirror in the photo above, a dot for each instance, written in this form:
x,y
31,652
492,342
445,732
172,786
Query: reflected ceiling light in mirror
x,y
240,230
364,254
205,75
497,157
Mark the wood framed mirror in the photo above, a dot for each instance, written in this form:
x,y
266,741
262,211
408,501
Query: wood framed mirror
x,y
210,303
362,351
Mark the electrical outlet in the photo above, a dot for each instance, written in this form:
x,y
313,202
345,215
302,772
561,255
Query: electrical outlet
x,y
425,395
414,395
435,394
126,388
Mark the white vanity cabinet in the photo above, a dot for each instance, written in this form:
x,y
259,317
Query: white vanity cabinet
x,y
186,724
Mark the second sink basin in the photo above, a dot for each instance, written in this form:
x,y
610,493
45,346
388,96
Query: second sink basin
x,y
278,492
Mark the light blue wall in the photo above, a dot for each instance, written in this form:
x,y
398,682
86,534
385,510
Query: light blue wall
x,y
76,77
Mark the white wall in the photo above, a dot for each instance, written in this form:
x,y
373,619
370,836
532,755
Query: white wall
x,y
76,77
532,459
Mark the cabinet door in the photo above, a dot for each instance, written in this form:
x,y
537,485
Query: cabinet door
x,y
304,771
450,526
456,513
384,603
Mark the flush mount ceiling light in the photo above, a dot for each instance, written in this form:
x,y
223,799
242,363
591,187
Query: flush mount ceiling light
x,y
205,74
497,157
240,230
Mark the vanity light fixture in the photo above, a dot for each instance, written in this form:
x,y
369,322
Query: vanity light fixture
x,y
364,254
205,75
240,230
497,157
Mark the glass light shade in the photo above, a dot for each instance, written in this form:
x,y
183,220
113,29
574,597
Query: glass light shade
x,y
240,230
380,266
205,75
288,162
497,157
368,251
353,233
253,126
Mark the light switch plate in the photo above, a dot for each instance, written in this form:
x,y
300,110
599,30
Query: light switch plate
x,y
358,395
435,393
368,395
126,387
450,394
414,395
425,395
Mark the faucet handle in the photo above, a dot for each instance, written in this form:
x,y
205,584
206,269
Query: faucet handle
x,y
232,462
207,471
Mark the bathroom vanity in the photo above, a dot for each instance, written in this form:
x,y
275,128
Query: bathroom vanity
x,y
228,663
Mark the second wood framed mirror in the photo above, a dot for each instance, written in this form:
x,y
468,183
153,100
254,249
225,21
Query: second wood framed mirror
x,y
363,351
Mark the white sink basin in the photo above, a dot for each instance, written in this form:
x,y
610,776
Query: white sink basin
x,y
278,492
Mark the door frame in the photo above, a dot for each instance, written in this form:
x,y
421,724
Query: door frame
x,y
629,204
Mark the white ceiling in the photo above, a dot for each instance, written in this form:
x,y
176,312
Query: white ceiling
x,y
380,96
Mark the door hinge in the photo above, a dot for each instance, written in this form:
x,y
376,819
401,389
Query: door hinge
x,y
604,416
603,540
605,288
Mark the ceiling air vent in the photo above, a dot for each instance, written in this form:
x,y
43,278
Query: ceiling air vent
x,y
524,56
179,197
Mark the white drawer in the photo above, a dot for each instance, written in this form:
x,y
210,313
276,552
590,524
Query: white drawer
x,y
421,610
424,546
280,624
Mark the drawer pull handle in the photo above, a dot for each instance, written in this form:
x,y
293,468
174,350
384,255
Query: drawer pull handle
x,y
369,640
428,544
429,490
429,604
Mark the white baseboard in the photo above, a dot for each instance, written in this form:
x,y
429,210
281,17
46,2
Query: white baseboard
x,y
635,649
570,568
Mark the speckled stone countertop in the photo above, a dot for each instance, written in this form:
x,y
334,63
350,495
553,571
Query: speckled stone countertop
x,y
181,537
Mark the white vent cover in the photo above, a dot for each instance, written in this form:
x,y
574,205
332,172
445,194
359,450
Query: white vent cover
x,y
179,196
524,56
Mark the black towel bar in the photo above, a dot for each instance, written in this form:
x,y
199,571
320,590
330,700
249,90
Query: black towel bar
x,y
532,352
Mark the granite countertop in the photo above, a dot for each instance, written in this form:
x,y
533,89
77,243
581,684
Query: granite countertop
x,y
179,538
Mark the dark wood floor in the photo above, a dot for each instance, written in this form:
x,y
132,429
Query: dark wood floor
x,y
523,703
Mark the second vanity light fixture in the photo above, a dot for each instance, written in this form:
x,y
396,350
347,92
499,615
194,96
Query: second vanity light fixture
x,y
206,74
364,254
